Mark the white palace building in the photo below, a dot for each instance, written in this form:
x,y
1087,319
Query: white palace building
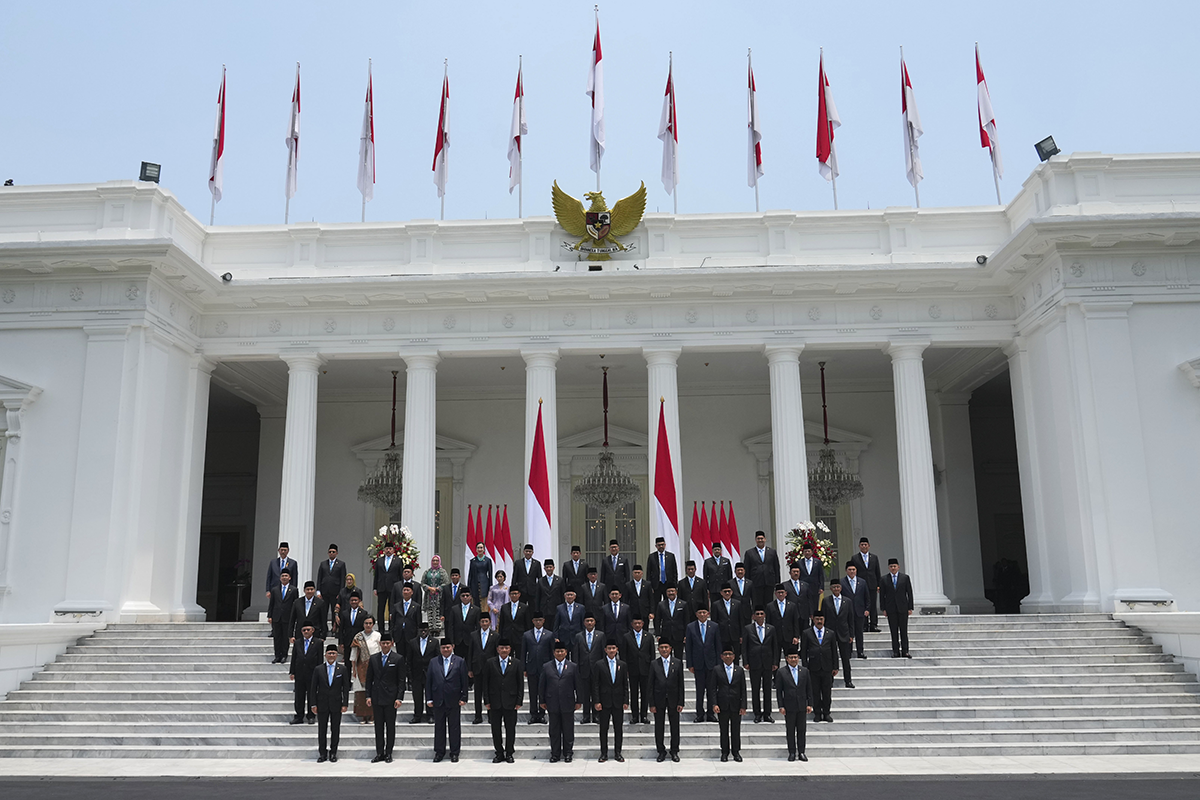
x,y
1017,387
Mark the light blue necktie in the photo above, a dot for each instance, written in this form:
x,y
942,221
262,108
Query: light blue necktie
x,y
821,636
702,627
306,641
329,671
446,667
612,670
894,582
503,666
560,669
282,591
795,676
662,566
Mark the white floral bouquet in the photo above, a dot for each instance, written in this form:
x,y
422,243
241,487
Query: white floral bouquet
x,y
806,533
401,537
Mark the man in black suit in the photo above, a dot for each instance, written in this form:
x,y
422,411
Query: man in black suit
x,y
526,573
839,614
692,589
388,570
614,568
639,594
594,594
819,652
662,569
800,592
421,651
575,571
406,612
559,692
794,694
728,615
308,609
854,589
445,695
450,592
743,589
785,618
330,693
306,655
479,574
514,619
671,620
610,698
277,566
279,613
666,699
536,647
350,623
703,646
866,564
549,595
481,646
462,621
503,696
331,577
589,649
639,653
718,570
568,617
386,676
812,572
896,597
727,687
614,617
762,565
760,645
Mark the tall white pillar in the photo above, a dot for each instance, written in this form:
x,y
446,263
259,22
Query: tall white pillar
x,y
299,482
787,441
195,440
14,397
918,504
419,479
541,385
662,371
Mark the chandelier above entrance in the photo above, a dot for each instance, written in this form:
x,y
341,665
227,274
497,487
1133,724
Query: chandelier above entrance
x,y
383,488
829,484
607,488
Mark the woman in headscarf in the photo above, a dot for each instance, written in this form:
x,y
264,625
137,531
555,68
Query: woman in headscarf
x,y
497,597
343,598
431,588
364,645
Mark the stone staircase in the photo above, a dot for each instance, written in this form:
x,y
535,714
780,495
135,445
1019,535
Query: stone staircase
x,y
1055,684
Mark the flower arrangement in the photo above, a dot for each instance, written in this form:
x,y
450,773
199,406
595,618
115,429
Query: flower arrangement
x,y
806,533
401,536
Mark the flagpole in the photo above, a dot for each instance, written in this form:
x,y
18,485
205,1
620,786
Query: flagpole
x,y
750,66
829,125
521,149
212,209
287,205
445,155
674,135
596,144
908,126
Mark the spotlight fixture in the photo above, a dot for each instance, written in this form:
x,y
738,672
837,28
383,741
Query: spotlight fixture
x,y
150,172
1046,148
981,260
227,277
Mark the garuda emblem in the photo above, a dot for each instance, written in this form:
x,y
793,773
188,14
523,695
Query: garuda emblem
x,y
598,227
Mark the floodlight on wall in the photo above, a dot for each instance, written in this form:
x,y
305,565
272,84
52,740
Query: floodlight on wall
x,y
150,172
1046,148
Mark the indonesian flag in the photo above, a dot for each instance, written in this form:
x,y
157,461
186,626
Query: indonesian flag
x,y
505,546
734,544
293,139
669,133
217,165
441,150
595,90
537,495
755,167
471,541
722,528
987,119
827,121
699,532
489,539
708,534
665,506
366,146
912,127
519,129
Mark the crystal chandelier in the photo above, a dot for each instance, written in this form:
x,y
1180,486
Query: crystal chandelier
x,y
607,488
829,485
382,488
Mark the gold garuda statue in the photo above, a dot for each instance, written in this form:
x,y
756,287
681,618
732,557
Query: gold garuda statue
x,y
598,227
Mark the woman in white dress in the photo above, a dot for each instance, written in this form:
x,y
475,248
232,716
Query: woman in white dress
x,y
364,645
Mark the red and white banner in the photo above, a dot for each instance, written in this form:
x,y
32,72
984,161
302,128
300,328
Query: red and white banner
x,y
666,506
700,535
366,146
293,139
519,129
827,121
722,528
441,149
217,164
912,127
537,496
472,540
987,119
669,134
489,538
595,90
504,544
734,544
754,133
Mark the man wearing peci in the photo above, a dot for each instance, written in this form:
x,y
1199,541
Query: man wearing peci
x,y
671,620
421,651
760,648
537,649
330,692
568,618
406,612
575,571
762,567
610,698
526,574
549,594
727,613
388,570
819,652
703,645
503,696
559,694
308,610
867,566
639,594
786,618
896,597
727,687
589,649
692,589
662,570
481,648
445,695
277,566
639,654
306,655
839,618
614,568
666,699
331,577
854,589
718,570
279,613
614,617
387,674
794,697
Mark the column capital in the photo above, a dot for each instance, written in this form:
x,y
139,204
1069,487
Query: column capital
x,y
203,363
1017,346
662,355
422,359
302,360
783,352
906,349
540,356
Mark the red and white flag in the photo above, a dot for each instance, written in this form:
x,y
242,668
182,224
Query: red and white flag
x,y
471,541
519,129
537,495
366,146
505,545
734,544
987,119
827,121
702,539
912,127
293,139
697,534
217,164
669,134
441,149
489,538
666,507
755,167
595,90
722,528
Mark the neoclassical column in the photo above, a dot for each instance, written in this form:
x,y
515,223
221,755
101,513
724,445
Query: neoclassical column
x,y
419,479
788,451
458,538
15,398
541,386
299,480
195,439
563,498
662,373
918,504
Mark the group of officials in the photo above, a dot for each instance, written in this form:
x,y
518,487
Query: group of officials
x,y
582,642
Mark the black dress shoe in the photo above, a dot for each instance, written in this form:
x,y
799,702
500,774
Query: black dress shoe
x,y
321,759
675,757
454,758
662,757
438,757
802,757
333,758
724,757
387,759
619,758
908,655
791,756
768,718
737,757
711,718
849,684
312,720
553,759
509,760
895,654
497,759
377,759
414,720
602,758
296,721
567,758
828,718
863,656
477,721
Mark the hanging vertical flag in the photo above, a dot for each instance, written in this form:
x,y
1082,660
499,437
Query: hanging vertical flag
x,y
366,145
519,129
595,90
696,536
537,495
701,537
669,134
506,544
754,132
471,541
912,127
708,534
987,124
722,527
714,530
441,149
293,139
217,164
827,121
665,506
489,537
734,541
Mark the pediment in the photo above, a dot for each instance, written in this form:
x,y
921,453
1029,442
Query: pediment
x,y
618,438
12,391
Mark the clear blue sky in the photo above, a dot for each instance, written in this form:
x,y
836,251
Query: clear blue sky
x,y
88,90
